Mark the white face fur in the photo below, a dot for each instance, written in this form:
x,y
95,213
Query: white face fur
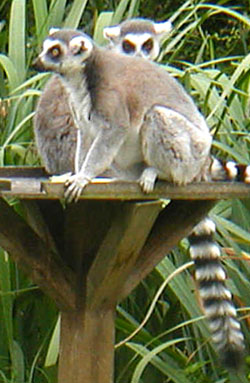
x,y
142,37
57,53
142,45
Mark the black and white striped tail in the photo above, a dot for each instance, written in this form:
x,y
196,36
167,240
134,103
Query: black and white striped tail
x,y
229,171
215,297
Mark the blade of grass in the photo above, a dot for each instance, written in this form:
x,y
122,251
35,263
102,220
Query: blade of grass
x,y
41,19
10,70
230,151
229,12
30,81
56,12
183,292
119,12
17,37
53,349
242,67
234,229
133,8
18,364
104,20
75,14
7,303
151,357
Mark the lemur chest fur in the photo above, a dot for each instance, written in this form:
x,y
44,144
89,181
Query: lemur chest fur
x,y
79,98
91,115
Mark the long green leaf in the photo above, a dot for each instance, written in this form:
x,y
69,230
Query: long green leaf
x,y
17,37
7,303
31,81
234,229
104,20
75,14
228,12
18,363
151,357
10,70
119,12
133,8
53,349
56,12
182,290
41,18
242,67
232,152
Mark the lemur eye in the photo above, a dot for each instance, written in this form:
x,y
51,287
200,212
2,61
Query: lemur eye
x,y
55,52
128,47
148,46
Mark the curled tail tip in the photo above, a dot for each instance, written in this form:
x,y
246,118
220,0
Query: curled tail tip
x,y
232,358
229,171
229,341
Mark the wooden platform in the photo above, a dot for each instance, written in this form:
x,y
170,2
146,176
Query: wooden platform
x,y
90,255
34,183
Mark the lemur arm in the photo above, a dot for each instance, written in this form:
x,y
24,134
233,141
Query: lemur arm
x,y
112,130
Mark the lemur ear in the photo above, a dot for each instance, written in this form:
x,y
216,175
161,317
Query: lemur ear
x,y
53,30
80,44
163,27
111,33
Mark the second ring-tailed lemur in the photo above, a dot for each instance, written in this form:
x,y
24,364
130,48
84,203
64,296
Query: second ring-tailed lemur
x,y
120,122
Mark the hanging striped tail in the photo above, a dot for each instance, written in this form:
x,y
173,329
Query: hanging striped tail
x,y
229,171
215,297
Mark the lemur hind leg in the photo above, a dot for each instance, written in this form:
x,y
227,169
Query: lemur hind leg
x,y
174,149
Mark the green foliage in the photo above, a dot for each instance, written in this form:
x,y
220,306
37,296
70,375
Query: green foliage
x,y
208,51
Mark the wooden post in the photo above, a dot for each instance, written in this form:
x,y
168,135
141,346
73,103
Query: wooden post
x,y
87,346
107,237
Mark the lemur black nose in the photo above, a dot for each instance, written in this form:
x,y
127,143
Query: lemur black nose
x,y
38,65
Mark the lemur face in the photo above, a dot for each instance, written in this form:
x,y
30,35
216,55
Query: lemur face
x,y
64,51
142,45
137,37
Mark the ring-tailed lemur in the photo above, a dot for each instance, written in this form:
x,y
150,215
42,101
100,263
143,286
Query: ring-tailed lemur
x,y
54,128
112,112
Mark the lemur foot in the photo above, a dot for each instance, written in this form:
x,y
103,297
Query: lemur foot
x,y
147,180
74,187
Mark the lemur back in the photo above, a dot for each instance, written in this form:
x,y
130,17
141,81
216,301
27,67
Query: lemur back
x,y
107,104
54,128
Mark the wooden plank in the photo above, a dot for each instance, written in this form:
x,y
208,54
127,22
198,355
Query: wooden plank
x,y
33,182
87,346
173,223
131,190
118,252
31,253
39,189
22,171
